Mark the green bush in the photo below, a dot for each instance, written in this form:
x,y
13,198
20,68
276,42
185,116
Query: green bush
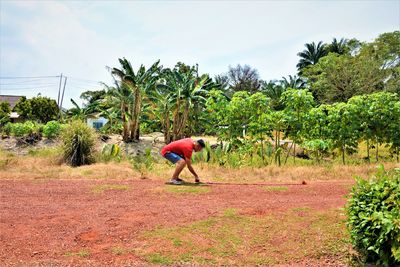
x,y
51,129
25,128
78,144
7,129
374,218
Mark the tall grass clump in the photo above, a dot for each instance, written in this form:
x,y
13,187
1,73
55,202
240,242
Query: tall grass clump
x,y
78,144
374,218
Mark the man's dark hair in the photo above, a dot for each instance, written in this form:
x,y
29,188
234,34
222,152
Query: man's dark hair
x,y
201,143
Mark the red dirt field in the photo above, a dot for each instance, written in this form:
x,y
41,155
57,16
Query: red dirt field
x,y
44,220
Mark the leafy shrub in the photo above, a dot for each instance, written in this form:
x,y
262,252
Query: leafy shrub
x,y
22,129
374,218
317,148
51,129
7,129
78,143
143,163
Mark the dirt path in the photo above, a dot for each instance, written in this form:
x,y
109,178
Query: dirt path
x,y
42,221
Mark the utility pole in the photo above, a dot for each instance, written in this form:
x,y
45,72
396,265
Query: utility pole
x,y
59,90
62,97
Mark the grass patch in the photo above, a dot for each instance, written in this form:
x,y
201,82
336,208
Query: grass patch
x,y
99,189
233,239
44,152
275,188
6,163
120,251
157,258
185,189
81,253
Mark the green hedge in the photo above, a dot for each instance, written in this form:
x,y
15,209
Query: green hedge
x,y
374,218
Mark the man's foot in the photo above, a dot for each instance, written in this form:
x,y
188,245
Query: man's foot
x,y
197,181
175,181
180,180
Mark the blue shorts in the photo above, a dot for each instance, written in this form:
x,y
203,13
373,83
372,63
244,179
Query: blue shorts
x,y
174,158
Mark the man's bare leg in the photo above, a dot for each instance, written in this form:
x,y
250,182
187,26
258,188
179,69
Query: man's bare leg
x,y
178,169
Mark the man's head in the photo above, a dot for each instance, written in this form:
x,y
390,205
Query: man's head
x,y
199,145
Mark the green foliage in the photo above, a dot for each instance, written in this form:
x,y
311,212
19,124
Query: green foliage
x,y
52,129
143,163
111,151
374,217
42,109
317,148
375,67
7,129
78,143
4,113
25,128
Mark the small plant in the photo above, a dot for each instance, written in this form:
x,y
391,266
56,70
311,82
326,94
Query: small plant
x,y
52,129
111,151
143,163
7,129
78,144
374,218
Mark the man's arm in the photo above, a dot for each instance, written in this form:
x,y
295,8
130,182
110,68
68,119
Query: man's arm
x,y
189,165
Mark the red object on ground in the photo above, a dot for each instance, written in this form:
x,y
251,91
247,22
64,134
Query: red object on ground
x,y
183,147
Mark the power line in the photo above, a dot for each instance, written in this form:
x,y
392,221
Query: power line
x,y
26,81
83,80
26,84
29,77
28,88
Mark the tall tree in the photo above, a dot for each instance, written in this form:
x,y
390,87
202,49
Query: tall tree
x,y
339,47
273,90
311,55
185,91
41,109
4,113
92,96
375,67
243,78
140,83
293,82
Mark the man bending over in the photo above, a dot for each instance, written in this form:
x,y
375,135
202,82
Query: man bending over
x,y
180,153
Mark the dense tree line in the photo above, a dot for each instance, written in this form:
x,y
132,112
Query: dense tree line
x,y
332,79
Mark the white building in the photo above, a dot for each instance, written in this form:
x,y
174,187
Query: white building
x,y
96,123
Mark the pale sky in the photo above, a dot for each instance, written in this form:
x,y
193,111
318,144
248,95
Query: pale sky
x,y
81,38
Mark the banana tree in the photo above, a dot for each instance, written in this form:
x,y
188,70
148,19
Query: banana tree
x,y
297,103
139,83
120,98
185,91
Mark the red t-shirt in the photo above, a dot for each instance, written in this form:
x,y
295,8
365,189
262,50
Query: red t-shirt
x,y
183,147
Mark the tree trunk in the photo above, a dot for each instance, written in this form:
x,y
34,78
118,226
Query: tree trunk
x,y
368,150
136,116
294,152
124,123
377,150
176,121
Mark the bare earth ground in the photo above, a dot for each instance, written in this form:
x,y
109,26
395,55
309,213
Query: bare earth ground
x,y
77,222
